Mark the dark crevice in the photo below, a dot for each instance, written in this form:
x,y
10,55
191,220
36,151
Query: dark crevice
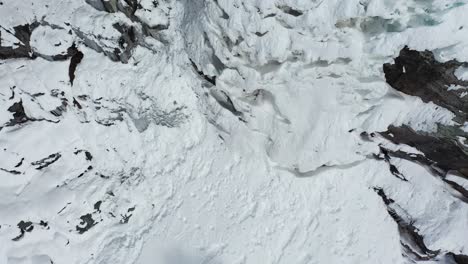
x,y
460,189
406,156
225,101
269,15
46,162
224,14
12,89
76,104
19,163
76,57
290,11
259,34
384,155
37,95
14,172
210,79
85,171
395,172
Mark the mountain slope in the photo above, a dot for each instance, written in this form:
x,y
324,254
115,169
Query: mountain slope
x,y
233,131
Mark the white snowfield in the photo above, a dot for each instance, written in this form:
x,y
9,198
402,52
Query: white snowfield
x,y
144,164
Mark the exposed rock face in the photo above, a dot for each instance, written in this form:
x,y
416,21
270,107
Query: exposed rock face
x,y
23,49
19,116
446,153
460,259
419,74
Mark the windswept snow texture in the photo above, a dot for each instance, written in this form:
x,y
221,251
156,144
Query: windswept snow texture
x,y
233,131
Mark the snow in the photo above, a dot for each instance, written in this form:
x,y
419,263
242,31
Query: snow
x,y
465,127
50,41
194,182
462,73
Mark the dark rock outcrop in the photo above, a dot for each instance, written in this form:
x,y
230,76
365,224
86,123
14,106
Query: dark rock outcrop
x,y
19,115
445,153
22,48
131,36
23,227
86,223
419,74
76,57
46,162
459,259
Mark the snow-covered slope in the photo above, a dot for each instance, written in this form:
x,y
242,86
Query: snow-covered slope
x,y
229,131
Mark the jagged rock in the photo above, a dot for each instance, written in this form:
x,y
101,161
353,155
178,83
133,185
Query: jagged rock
x,y
446,153
23,227
110,6
19,115
86,223
460,259
418,73
23,49
131,36
127,42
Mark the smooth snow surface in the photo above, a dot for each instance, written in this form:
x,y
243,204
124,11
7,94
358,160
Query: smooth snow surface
x,y
176,178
